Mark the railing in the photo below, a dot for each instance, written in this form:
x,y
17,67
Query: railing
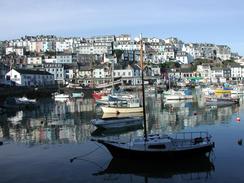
x,y
191,138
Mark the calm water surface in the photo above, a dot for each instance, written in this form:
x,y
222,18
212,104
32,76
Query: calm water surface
x,y
51,144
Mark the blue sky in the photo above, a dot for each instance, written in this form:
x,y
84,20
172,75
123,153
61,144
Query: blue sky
x,y
212,21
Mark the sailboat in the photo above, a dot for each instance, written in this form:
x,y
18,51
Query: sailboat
x,y
155,146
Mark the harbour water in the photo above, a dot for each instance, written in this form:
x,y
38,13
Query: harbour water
x,y
51,143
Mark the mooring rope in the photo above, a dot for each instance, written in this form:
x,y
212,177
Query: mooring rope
x,y
88,153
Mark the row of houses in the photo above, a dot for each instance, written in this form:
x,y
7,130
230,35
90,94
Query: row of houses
x,y
156,50
131,75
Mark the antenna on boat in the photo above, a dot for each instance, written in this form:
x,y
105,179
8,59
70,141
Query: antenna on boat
x,y
143,92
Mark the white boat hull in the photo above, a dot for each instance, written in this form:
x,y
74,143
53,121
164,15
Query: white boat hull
x,y
117,110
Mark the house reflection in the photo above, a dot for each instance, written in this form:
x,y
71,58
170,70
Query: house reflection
x,y
69,122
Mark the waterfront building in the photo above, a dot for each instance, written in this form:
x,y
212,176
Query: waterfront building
x,y
101,72
24,77
57,70
237,72
217,74
125,74
205,71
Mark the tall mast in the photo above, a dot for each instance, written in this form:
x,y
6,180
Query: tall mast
x,y
112,75
143,92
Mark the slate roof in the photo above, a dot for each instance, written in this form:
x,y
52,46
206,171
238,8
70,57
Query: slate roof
x,y
27,71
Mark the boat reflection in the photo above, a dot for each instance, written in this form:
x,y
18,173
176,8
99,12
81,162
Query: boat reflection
x,y
198,167
99,132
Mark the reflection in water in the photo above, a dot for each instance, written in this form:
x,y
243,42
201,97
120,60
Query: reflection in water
x,y
69,122
199,168
112,132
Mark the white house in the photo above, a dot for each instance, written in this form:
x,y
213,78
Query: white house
x,y
96,48
52,60
217,73
182,57
236,72
57,70
34,60
64,59
125,74
123,38
24,77
205,71
17,50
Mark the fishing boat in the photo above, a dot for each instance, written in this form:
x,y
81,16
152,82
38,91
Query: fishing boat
x,y
117,122
155,146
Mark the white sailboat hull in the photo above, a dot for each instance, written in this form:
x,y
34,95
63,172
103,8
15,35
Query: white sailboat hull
x,y
117,110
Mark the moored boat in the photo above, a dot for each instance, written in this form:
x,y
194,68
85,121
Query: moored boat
x,y
192,144
131,106
118,110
